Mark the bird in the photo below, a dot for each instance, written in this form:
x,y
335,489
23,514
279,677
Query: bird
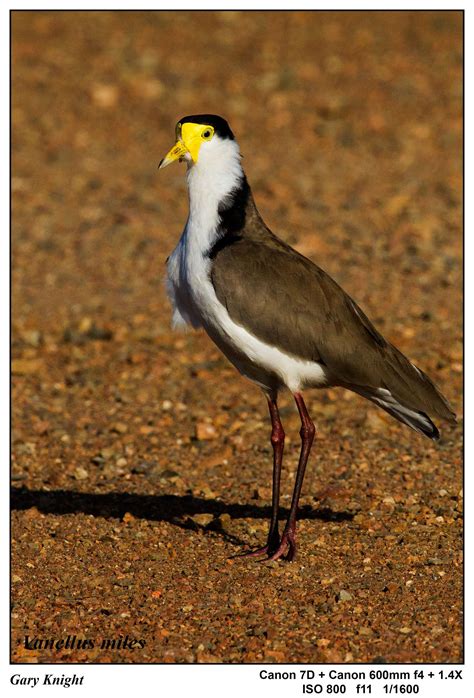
x,y
282,321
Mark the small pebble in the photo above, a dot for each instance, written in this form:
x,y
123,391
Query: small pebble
x,y
323,642
104,96
205,432
120,427
344,595
203,519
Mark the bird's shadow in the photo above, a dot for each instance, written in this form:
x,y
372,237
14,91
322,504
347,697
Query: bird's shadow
x,y
176,509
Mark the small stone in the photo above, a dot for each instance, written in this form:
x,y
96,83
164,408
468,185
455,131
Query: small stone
x,y
107,453
120,427
85,325
31,337
206,432
81,473
104,96
225,520
405,630
166,405
121,462
203,519
32,513
25,367
327,581
323,642
344,595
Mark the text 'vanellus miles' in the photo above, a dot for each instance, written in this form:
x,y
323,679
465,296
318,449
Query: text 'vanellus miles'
x,y
279,318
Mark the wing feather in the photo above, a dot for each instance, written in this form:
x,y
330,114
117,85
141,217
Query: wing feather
x,y
286,300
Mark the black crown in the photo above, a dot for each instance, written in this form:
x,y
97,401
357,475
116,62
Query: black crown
x,y
220,125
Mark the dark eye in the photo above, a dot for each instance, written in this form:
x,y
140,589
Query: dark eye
x,y
206,134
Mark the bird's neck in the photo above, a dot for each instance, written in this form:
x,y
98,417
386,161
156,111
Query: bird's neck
x,y
218,190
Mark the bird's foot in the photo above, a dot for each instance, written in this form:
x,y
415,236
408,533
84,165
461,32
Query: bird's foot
x,y
264,550
286,548
276,549
268,549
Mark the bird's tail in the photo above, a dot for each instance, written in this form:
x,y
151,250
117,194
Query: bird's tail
x,y
416,419
408,394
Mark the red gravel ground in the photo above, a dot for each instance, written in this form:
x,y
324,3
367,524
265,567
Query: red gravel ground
x,y
141,459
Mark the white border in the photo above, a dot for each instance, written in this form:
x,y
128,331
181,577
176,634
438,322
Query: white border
x,y
191,680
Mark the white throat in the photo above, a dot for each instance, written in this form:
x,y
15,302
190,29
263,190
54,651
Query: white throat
x,y
217,172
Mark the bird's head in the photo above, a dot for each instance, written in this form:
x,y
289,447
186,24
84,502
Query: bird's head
x,y
198,136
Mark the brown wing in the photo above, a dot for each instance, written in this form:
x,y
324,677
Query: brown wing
x,y
287,301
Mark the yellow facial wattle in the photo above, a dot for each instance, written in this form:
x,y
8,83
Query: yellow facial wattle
x,y
189,138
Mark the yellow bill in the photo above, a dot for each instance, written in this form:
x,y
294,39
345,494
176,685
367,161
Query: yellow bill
x,y
189,138
177,152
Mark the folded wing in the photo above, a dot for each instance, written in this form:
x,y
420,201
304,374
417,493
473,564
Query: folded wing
x,y
287,301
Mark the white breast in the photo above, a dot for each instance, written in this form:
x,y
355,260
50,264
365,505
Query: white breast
x,y
191,291
195,302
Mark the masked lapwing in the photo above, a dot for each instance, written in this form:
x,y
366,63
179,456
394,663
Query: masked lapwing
x,y
279,318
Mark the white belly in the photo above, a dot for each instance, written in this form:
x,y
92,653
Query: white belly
x,y
195,302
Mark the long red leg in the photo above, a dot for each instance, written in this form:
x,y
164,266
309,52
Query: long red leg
x,y
278,443
307,431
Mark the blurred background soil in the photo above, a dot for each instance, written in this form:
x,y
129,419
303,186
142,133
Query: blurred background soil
x,y
141,459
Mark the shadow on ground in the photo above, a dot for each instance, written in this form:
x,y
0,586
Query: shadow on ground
x,y
175,509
